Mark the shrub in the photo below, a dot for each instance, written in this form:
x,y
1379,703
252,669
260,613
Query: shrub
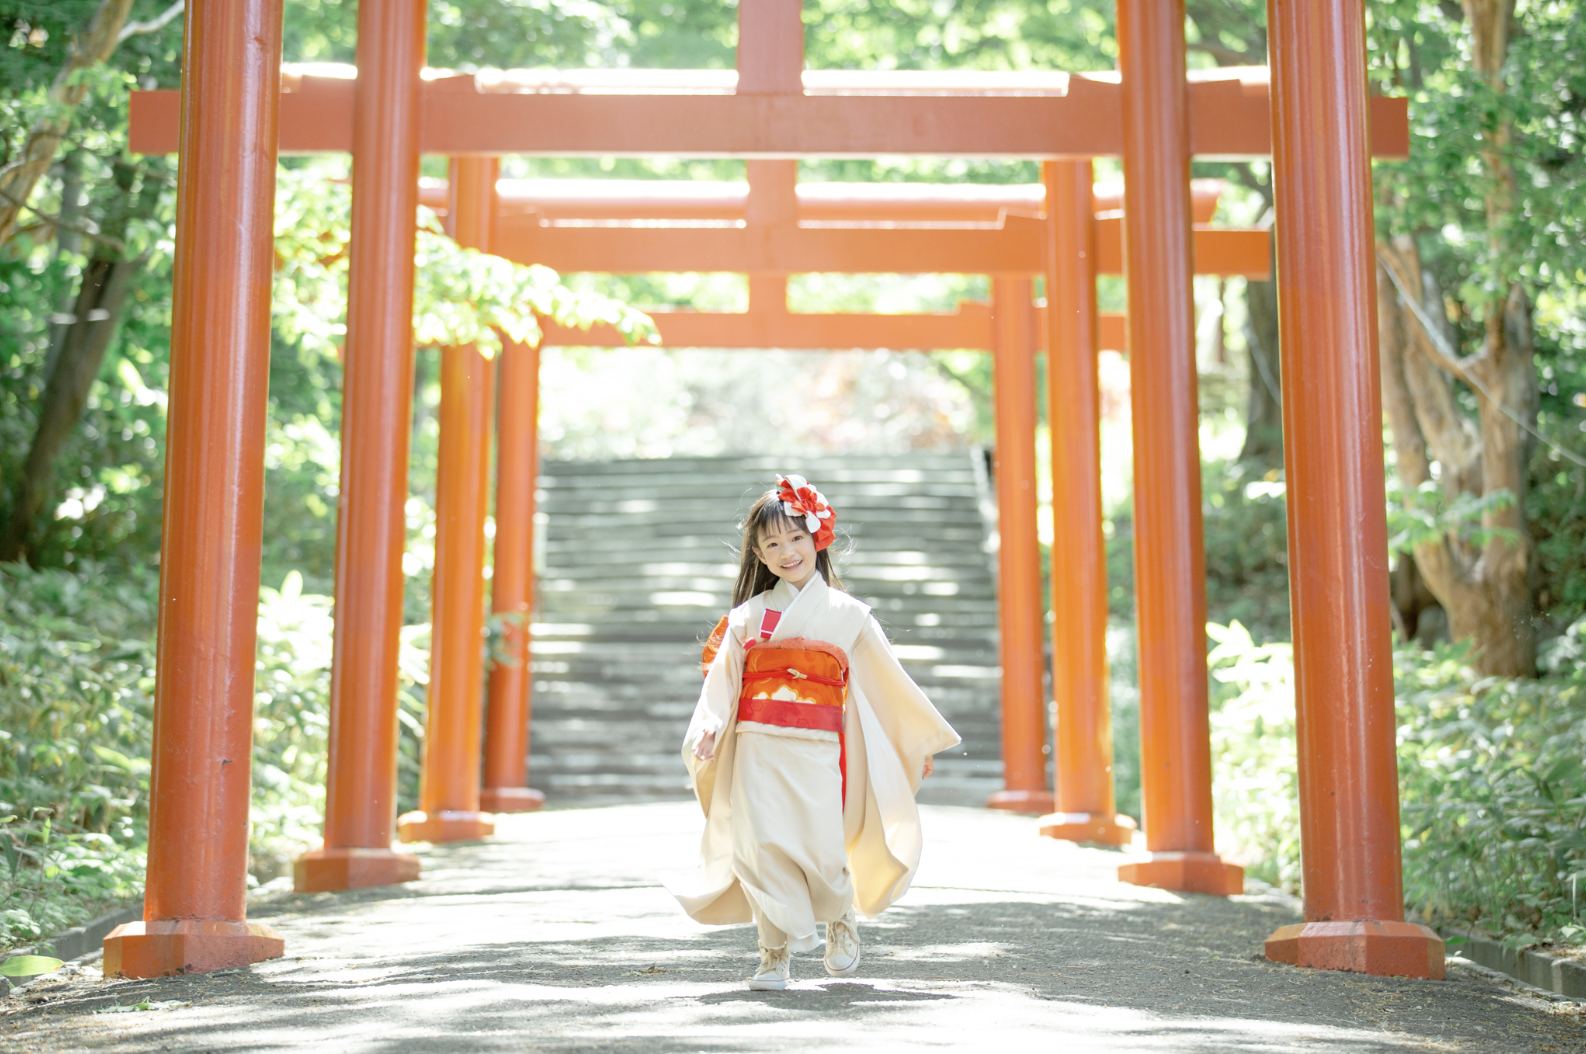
x,y
1494,792
1492,781
76,663
76,726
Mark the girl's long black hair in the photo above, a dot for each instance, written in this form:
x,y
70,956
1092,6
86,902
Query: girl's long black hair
x,y
754,577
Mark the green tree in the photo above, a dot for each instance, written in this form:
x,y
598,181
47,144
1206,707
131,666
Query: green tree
x,y
1483,225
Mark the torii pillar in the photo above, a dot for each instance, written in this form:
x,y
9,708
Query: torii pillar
x,y
377,403
449,785
1338,536
1024,748
195,904
1085,809
511,686
1169,558
511,690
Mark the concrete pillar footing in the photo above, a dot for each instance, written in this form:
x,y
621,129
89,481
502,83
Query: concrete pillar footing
x,y
447,825
1186,872
1039,802
1089,827
511,799
1383,949
165,948
353,867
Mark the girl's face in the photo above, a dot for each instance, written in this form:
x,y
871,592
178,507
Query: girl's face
x,y
789,551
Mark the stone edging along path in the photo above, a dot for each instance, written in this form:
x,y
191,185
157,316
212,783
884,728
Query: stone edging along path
x,y
1565,977
87,939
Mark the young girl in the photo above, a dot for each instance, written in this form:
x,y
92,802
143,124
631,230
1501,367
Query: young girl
x,y
806,749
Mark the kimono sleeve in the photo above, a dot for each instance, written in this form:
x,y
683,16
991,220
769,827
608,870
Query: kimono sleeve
x,y
912,725
722,680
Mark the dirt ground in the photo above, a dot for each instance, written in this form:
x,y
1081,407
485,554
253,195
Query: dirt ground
x,y
558,936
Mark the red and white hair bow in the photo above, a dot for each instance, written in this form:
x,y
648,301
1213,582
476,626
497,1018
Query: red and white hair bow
x,y
802,501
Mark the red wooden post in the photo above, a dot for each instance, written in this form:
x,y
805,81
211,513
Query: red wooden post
x,y
1024,748
1170,564
512,584
377,400
1338,548
449,793
770,56
512,581
1086,810
195,906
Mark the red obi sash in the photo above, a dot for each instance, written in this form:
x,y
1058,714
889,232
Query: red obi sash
x,y
815,672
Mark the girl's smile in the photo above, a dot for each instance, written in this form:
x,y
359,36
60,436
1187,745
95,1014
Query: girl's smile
x,y
789,553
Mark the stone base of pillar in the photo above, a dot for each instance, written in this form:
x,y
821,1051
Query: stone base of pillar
x,y
511,799
1036,801
448,825
1385,949
1186,873
168,948
1088,827
327,870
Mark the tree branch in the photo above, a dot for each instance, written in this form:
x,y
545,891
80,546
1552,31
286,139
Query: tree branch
x,y
1433,341
89,48
153,25
56,222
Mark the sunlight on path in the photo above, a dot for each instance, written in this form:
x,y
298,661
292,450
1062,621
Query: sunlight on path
x,y
557,936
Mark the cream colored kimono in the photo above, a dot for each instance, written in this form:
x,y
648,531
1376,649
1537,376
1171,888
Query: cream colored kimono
x,y
778,833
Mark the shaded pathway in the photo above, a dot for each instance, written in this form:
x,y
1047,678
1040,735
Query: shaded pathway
x,y
556,937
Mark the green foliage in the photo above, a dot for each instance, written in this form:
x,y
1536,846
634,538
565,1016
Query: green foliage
x,y
1443,188
460,296
1492,781
977,34
76,661
29,965
1555,498
1430,515
291,722
1255,774
1494,793
1246,548
76,728
38,36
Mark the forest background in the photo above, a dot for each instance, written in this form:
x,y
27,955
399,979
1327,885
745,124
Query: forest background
x,y
1483,329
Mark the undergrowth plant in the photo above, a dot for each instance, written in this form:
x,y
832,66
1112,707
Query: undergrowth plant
x,y
1492,782
1494,792
76,664
76,728
1254,774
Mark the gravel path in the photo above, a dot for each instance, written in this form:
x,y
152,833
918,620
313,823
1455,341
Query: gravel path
x,y
556,936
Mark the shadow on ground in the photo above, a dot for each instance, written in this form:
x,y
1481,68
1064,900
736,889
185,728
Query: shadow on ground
x,y
557,937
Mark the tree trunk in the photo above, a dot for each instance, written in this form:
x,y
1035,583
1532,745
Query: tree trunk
x,y
1484,588
82,352
1264,411
1482,579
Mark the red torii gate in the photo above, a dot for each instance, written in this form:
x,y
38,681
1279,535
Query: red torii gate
x,y
453,799
195,914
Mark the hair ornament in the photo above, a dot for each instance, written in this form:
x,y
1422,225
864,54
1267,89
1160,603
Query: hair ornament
x,y
802,501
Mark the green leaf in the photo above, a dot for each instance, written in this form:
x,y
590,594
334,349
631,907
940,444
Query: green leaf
x,y
29,966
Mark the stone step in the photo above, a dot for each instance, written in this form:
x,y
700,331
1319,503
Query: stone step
x,y
639,562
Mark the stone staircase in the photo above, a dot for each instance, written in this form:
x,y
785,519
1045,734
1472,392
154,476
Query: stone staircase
x,y
638,564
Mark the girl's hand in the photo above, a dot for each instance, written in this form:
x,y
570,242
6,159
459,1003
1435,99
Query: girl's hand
x,y
930,767
705,748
